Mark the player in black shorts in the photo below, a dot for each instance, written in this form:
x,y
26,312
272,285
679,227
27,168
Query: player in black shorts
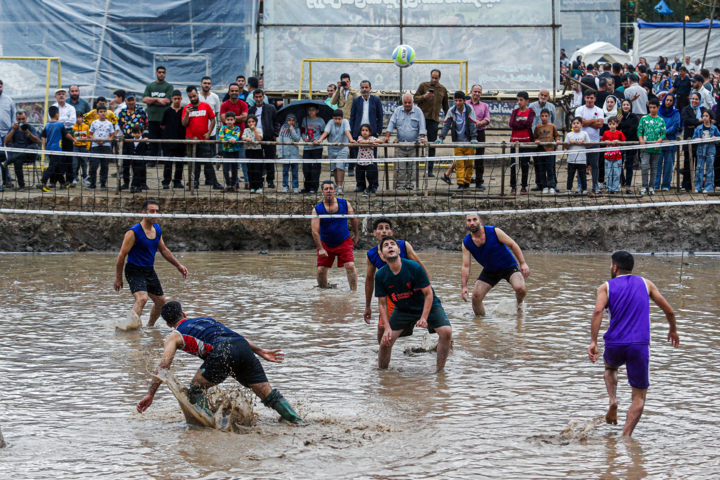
x,y
416,304
140,244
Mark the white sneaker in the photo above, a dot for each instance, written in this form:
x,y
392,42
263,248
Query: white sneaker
x,y
584,192
284,190
643,191
74,182
259,190
551,191
252,190
545,191
652,191
296,190
86,181
340,191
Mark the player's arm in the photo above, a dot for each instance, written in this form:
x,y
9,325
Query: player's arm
x,y
600,304
427,291
172,343
382,306
167,255
127,244
660,301
276,356
369,285
465,275
411,255
315,226
353,224
504,238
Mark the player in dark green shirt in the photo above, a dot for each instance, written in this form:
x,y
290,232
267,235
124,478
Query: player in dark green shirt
x,y
416,304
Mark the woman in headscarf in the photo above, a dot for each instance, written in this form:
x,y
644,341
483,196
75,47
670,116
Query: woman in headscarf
x,y
628,126
691,117
673,126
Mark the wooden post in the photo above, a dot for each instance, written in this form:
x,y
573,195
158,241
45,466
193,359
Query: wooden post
x,y
119,163
677,169
503,166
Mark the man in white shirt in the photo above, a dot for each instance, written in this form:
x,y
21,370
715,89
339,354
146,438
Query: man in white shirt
x,y
592,123
214,101
637,95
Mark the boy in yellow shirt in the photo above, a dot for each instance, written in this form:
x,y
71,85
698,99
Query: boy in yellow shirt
x,y
81,145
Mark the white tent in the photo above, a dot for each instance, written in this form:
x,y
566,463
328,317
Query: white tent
x,y
602,52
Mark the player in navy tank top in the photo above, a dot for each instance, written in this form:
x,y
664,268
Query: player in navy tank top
x,y
493,249
383,227
140,244
627,341
332,236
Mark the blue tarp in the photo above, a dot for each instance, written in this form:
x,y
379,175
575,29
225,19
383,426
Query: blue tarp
x,y
704,24
662,8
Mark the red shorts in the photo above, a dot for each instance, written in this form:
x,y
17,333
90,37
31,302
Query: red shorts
x,y
343,252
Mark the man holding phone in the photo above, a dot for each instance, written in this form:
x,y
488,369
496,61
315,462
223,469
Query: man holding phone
x,y
431,97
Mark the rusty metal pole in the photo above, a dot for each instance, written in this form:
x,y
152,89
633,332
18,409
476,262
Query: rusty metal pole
x,y
503,166
191,166
417,168
677,169
119,163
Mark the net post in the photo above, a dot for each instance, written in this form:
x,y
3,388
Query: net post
x,y
191,166
310,79
387,169
119,163
677,169
503,166
691,167
417,167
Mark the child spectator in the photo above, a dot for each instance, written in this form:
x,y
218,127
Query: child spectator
x,y
53,133
705,170
545,164
577,161
230,133
80,145
613,158
134,147
290,132
337,131
366,168
651,130
251,136
100,128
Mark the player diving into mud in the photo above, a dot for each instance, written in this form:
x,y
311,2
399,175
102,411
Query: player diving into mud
x,y
225,353
416,304
491,248
627,340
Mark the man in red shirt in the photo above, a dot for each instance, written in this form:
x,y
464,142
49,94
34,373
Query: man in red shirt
x,y
235,105
198,119
521,121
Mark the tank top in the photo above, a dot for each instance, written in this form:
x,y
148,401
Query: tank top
x,y
629,310
493,255
375,259
333,231
142,254
201,335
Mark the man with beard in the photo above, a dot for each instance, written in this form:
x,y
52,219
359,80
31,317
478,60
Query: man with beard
x,y
627,341
493,249
432,97
416,304
198,118
81,106
142,241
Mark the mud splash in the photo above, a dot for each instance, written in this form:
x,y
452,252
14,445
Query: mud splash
x,y
577,431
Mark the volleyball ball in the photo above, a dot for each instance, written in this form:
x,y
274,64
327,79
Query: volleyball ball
x,y
403,56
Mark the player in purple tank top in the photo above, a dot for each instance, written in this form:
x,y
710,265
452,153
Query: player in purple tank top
x,y
627,341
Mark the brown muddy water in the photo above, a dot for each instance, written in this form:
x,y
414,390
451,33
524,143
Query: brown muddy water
x,y
511,387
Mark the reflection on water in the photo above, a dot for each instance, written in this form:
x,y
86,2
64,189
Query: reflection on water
x,y
71,382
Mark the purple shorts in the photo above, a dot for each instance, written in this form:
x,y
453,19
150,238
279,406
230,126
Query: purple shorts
x,y
636,358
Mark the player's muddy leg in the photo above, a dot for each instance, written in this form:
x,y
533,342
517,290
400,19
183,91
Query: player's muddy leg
x,y
481,289
443,347
158,303
141,298
611,381
386,350
517,282
635,411
322,277
352,275
380,332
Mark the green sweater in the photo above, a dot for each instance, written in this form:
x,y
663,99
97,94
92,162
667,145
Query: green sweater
x,y
652,129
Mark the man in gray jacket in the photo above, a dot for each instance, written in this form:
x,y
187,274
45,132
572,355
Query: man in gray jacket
x,y
460,122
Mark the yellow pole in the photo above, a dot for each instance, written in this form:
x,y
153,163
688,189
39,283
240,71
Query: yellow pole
x,y
460,78
466,75
310,80
302,68
59,82
47,98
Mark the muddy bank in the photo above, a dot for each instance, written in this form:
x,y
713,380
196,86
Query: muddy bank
x,y
651,229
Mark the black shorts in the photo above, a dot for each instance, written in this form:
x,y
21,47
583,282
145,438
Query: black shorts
x,y
143,279
233,357
406,321
492,278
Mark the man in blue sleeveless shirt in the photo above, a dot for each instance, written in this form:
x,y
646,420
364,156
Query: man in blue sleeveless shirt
x,y
491,248
225,353
627,341
332,236
383,227
416,305
140,244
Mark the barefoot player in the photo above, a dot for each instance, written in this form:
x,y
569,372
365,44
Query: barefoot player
x,y
332,236
383,227
407,284
225,353
491,248
627,340
140,244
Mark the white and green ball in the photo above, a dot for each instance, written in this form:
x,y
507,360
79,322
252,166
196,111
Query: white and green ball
x,y
403,56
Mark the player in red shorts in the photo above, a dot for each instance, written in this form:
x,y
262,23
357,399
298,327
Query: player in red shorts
x,y
332,236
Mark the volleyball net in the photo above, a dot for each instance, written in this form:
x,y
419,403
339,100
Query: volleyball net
x,y
196,179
